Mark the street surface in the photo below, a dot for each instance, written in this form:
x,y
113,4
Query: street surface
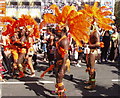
x,y
107,81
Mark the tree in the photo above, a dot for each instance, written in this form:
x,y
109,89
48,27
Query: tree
x,y
117,13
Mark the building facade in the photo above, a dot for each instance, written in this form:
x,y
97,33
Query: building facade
x,y
2,11
36,8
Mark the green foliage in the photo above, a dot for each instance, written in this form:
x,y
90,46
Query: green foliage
x,y
117,13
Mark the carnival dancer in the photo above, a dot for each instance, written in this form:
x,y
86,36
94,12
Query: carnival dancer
x,y
30,50
21,51
94,43
14,51
62,61
16,30
91,52
67,20
97,19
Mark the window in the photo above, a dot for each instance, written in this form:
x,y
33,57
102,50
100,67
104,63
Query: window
x,y
37,3
25,3
13,3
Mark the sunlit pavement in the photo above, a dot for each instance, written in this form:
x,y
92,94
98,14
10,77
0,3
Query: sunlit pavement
x,y
107,82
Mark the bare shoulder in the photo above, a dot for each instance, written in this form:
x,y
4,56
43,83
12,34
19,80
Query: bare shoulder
x,y
65,43
96,34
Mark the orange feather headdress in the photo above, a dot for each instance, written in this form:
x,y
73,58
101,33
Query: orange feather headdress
x,y
79,21
7,19
98,14
42,24
27,20
68,16
24,21
8,27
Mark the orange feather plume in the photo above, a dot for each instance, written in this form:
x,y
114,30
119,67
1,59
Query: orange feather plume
x,y
106,13
71,18
49,18
80,21
9,30
42,24
66,11
99,14
56,9
9,27
47,70
7,19
25,20
105,26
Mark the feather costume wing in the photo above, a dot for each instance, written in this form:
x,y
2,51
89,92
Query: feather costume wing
x,y
7,19
42,24
73,19
99,14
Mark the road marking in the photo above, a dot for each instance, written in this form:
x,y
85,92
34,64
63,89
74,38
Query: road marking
x,y
16,82
115,80
46,82
30,82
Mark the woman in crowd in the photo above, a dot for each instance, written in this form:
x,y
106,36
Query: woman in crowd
x,y
114,46
105,49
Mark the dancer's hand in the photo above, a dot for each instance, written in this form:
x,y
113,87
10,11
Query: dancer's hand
x,y
61,73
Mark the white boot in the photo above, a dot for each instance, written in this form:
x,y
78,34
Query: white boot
x,y
78,65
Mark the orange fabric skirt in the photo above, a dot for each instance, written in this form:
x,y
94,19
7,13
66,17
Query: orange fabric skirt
x,y
14,53
22,50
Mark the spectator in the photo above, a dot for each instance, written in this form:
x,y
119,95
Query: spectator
x,y
44,42
106,41
1,67
114,46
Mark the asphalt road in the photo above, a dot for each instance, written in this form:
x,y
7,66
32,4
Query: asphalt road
x,y
107,81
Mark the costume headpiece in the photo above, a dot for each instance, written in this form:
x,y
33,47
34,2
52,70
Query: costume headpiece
x,y
69,17
24,21
80,21
98,15
8,29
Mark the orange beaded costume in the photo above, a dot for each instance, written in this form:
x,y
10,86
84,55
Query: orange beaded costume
x,y
62,52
